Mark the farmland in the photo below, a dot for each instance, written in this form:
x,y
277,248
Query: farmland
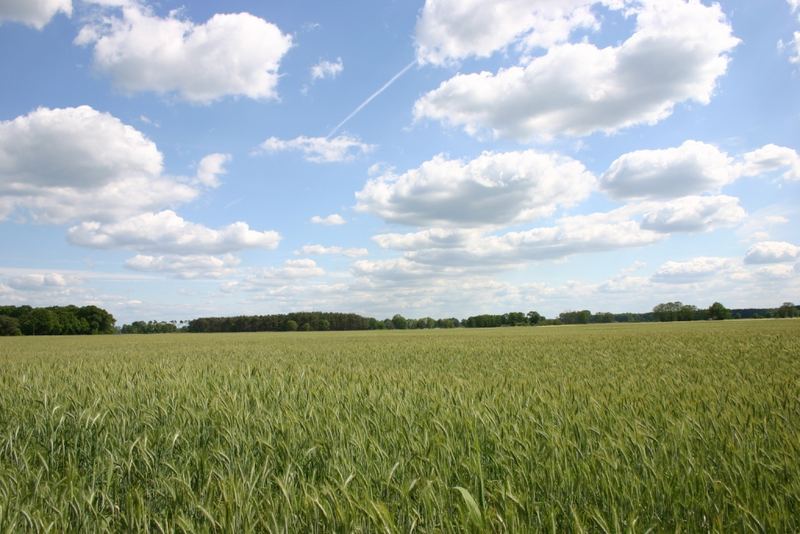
x,y
599,428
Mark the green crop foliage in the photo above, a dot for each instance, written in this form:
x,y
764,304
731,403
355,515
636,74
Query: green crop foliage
x,y
608,428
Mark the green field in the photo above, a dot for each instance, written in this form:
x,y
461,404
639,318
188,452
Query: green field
x,y
690,426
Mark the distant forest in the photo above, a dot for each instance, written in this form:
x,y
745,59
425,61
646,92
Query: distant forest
x,y
55,320
322,321
74,320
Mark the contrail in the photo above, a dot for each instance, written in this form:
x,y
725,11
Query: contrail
x,y
371,98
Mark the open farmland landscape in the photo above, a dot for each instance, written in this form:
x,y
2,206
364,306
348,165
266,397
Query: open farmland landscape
x,y
604,428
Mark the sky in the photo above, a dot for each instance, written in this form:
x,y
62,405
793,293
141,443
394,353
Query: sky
x,y
168,160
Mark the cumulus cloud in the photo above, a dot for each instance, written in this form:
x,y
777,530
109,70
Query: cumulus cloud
x,y
290,270
428,238
319,149
691,271
450,30
187,267
38,281
772,252
210,168
692,214
34,13
632,225
571,235
493,189
693,167
235,54
315,250
334,219
78,163
167,232
676,54
770,158
327,69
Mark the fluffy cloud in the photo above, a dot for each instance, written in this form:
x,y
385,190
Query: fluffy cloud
x,y
692,214
676,54
166,232
572,235
771,158
327,69
429,238
79,163
210,168
693,167
691,271
493,189
316,250
38,281
772,252
320,149
35,13
230,54
450,30
188,267
334,219
400,270
290,270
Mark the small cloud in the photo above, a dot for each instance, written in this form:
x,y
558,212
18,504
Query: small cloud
x,y
210,167
327,69
147,120
319,149
308,250
331,220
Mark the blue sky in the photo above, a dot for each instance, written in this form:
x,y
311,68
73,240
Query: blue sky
x,y
169,160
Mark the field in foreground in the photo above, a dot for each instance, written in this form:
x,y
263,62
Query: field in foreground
x,y
600,428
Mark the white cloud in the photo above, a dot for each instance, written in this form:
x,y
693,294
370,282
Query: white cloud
x,y
772,252
692,214
572,235
771,158
691,271
400,270
334,250
229,55
320,149
493,189
693,167
676,54
35,13
327,69
167,232
334,219
210,168
188,267
777,272
290,270
78,163
450,30
429,238
38,281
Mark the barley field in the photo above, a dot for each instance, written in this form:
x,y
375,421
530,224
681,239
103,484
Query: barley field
x,y
609,428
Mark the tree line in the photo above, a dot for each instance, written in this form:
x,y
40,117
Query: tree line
x,y
55,320
74,320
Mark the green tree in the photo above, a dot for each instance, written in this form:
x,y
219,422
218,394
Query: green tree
x,y
787,309
534,318
291,326
718,311
399,322
9,326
